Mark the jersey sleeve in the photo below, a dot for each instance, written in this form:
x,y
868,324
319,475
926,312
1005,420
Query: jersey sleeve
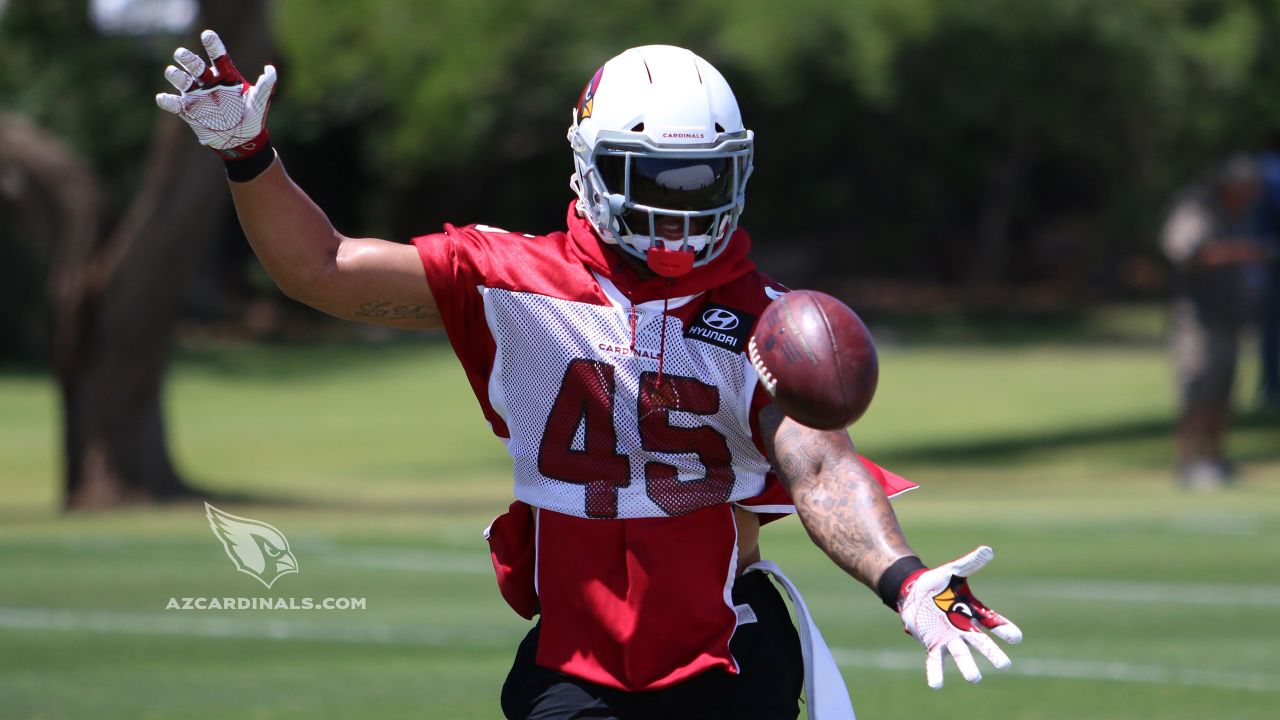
x,y
458,263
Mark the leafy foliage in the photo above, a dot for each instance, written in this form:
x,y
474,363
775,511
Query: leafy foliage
x,y
992,140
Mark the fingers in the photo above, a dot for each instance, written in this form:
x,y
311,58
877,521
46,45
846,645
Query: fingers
x,y
958,647
933,667
971,563
222,69
998,624
989,649
217,51
213,45
260,93
1007,632
169,103
964,660
179,79
194,66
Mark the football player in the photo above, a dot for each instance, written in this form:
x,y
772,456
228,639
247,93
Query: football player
x,y
609,358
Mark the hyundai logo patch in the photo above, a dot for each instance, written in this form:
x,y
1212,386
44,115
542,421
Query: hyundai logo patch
x,y
721,326
720,319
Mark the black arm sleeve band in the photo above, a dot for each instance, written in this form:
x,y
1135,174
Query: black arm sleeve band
x,y
252,166
891,580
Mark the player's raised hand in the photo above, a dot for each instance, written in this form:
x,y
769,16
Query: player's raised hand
x,y
940,611
225,111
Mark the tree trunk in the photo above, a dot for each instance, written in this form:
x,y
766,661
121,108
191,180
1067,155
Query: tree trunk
x,y
115,300
112,367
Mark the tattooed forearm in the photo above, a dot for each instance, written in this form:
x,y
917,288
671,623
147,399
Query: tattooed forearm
x,y
383,311
842,507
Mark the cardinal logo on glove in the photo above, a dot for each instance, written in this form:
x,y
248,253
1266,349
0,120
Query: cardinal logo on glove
x,y
959,613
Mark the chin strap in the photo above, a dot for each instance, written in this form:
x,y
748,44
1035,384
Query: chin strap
x,y
669,263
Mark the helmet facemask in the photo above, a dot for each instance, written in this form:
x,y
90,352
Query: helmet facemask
x,y
684,200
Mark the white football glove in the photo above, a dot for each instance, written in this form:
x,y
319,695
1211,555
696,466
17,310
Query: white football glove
x,y
940,611
225,111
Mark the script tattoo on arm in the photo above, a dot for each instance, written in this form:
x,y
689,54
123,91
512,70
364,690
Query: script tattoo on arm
x,y
842,507
383,311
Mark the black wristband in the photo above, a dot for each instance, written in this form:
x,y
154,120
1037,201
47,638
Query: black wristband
x,y
251,167
890,583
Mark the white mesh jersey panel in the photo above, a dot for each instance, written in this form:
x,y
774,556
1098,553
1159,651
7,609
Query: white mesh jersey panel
x,y
695,417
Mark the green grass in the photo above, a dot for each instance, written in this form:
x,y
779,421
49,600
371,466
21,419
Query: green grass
x,y
1137,599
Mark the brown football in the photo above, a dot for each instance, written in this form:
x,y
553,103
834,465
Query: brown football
x,y
816,358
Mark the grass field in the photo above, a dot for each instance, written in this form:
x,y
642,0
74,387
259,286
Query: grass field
x,y
1138,600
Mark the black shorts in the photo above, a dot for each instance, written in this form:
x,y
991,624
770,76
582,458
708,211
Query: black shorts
x,y
768,686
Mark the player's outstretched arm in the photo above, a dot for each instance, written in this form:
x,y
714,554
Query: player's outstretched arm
x,y
847,514
354,278
842,507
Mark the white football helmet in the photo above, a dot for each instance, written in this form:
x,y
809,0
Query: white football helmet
x,y
661,157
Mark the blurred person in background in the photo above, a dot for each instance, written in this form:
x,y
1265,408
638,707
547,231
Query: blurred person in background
x,y
645,459
1269,316
1210,237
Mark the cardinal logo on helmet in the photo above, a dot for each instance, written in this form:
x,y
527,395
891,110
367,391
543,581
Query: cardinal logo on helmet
x,y
587,101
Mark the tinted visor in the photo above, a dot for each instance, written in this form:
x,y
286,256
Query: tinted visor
x,y
671,183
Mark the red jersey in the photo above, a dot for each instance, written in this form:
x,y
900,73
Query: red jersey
x,y
629,408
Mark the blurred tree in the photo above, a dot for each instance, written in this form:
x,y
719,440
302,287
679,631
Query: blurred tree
x,y
114,295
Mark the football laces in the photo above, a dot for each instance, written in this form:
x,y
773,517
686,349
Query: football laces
x,y
766,378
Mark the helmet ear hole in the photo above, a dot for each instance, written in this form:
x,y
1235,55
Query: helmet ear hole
x,y
719,128
638,127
